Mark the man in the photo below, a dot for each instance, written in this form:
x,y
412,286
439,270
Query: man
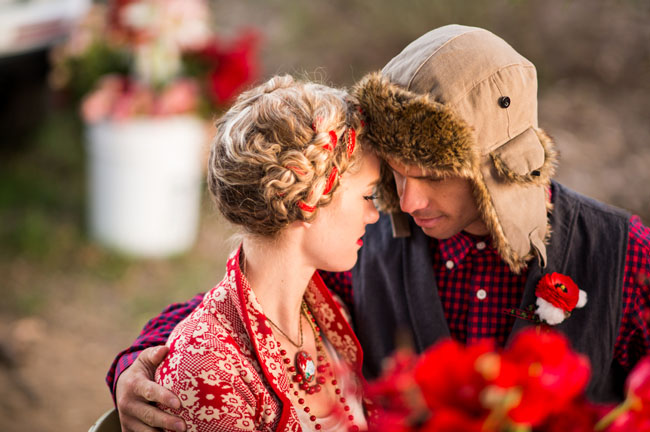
x,y
472,223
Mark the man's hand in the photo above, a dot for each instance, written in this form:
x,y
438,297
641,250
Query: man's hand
x,y
135,389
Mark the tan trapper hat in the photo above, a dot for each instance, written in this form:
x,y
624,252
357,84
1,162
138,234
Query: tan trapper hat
x,y
461,101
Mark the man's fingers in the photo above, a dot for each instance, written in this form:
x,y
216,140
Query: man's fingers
x,y
135,389
153,392
131,425
152,357
155,418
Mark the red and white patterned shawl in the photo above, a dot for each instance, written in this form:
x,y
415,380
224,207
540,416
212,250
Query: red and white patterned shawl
x,y
225,365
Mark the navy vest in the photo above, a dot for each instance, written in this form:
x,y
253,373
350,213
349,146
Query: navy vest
x,y
395,288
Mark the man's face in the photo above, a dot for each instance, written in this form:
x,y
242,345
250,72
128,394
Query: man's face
x,y
442,207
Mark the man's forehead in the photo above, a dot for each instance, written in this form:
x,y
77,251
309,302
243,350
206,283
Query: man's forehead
x,y
409,170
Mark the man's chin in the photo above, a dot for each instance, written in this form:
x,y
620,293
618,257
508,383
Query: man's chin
x,y
437,233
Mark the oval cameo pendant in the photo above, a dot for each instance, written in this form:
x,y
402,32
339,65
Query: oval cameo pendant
x,y
305,366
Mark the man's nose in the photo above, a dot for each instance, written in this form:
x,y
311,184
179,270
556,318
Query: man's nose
x,y
411,196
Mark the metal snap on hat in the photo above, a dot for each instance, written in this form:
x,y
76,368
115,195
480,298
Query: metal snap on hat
x,y
461,101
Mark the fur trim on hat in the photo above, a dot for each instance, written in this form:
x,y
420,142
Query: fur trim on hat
x,y
414,129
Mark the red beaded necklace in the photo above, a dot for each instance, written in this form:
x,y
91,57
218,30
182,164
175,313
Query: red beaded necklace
x,y
304,372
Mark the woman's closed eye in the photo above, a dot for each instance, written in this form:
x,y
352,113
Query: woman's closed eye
x,y
370,197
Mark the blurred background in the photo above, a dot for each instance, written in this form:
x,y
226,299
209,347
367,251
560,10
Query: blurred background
x,y
70,303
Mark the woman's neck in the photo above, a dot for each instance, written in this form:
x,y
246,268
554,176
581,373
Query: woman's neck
x,y
278,275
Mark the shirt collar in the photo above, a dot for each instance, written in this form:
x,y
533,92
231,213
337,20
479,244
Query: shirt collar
x,y
456,248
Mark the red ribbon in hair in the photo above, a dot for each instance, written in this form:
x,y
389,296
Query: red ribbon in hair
x,y
328,188
296,170
352,141
330,181
306,207
333,140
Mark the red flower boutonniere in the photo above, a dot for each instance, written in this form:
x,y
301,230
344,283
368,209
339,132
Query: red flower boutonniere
x,y
557,295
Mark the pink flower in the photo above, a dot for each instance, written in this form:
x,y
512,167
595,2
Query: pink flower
x,y
98,104
135,100
179,97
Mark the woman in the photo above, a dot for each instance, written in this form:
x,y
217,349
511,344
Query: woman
x,y
268,348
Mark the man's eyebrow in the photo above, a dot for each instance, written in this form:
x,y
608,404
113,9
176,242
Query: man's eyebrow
x,y
418,177
428,177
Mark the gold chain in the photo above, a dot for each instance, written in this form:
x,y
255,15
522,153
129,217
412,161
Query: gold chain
x,y
285,335
277,326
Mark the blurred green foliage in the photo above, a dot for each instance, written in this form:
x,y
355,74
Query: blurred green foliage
x,y
99,60
41,189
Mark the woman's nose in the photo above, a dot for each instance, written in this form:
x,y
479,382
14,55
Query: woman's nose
x,y
371,215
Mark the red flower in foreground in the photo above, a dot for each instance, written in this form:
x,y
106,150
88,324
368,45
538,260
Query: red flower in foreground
x,y
548,373
451,382
450,420
396,396
638,385
577,416
634,413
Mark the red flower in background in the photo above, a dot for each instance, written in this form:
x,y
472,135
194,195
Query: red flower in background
x,y
167,53
230,66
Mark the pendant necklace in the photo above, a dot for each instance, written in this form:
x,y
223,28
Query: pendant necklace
x,y
323,367
304,368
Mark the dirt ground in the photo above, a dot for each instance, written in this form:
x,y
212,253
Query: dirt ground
x,y
53,363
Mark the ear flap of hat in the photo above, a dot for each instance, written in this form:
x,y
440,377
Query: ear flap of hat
x,y
512,196
527,158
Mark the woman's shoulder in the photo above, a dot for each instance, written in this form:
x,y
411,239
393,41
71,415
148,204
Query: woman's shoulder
x,y
215,326
210,366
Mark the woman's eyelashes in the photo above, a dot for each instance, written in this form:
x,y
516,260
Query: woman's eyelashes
x,y
371,197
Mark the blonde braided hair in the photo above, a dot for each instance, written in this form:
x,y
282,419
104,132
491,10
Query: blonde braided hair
x,y
279,151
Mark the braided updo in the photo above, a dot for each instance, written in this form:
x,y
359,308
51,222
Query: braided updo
x,y
277,152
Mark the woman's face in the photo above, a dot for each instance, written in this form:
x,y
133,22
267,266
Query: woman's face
x,y
334,237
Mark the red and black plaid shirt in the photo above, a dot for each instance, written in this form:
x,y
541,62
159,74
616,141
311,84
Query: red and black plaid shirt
x,y
475,285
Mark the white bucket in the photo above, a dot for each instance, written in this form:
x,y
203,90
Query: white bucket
x,y
144,184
